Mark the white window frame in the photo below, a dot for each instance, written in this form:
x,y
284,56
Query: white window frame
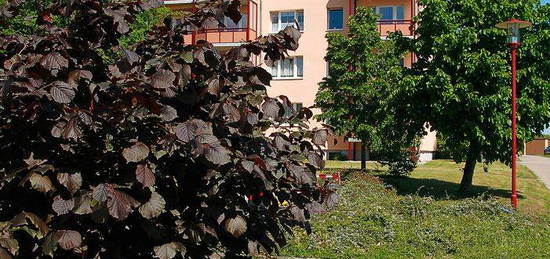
x,y
294,69
279,19
328,18
394,12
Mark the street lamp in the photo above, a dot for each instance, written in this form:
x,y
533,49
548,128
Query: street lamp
x,y
513,27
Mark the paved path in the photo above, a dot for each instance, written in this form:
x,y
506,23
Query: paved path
x,y
540,166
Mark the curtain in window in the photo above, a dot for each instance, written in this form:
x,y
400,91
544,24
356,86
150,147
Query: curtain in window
x,y
299,66
386,13
275,69
300,19
287,19
274,22
287,68
400,12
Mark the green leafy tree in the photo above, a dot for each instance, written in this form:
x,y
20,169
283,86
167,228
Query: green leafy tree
x,y
362,95
462,86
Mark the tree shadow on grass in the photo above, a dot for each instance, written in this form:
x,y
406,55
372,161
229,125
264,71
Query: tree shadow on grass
x,y
440,190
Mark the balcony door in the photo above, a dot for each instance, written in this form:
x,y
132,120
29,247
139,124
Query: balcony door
x,y
390,13
230,24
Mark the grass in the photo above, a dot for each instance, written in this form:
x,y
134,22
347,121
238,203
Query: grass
x,y
441,179
422,216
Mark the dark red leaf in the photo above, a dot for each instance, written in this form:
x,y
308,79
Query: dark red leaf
x,y
168,113
138,152
316,160
62,92
186,131
54,61
320,137
270,108
218,154
236,226
154,207
169,250
120,204
232,114
101,192
72,182
69,239
163,79
61,206
145,175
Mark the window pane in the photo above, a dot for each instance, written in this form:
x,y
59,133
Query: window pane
x,y
274,70
230,24
386,13
300,19
400,13
300,66
287,68
336,19
274,22
287,19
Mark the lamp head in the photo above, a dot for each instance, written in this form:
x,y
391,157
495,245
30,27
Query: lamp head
x,y
513,27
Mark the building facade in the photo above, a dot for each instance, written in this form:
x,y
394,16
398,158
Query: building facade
x,y
298,77
536,146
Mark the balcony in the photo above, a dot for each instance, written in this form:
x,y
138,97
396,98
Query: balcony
x,y
232,34
406,27
395,15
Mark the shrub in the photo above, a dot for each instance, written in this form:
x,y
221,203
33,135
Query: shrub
x,y
338,156
161,153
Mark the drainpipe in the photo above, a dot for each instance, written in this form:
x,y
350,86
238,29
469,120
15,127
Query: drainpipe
x,y
351,146
248,20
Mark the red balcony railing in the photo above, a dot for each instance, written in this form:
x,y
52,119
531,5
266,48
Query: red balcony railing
x,y
406,27
222,35
230,34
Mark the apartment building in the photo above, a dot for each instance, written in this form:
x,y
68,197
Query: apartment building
x,y
298,76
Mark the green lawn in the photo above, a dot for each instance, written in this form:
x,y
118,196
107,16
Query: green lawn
x,y
422,216
440,180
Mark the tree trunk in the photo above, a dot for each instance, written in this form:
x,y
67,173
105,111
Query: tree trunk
x,y
469,169
363,156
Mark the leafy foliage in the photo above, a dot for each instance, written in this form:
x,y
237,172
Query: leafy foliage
x,y
463,76
162,153
364,95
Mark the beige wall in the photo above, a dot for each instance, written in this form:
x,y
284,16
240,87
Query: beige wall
x,y
313,46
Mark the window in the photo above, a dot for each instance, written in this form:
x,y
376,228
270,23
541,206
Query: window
x,y
289,68
390,12
229,23
281,20
336,19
